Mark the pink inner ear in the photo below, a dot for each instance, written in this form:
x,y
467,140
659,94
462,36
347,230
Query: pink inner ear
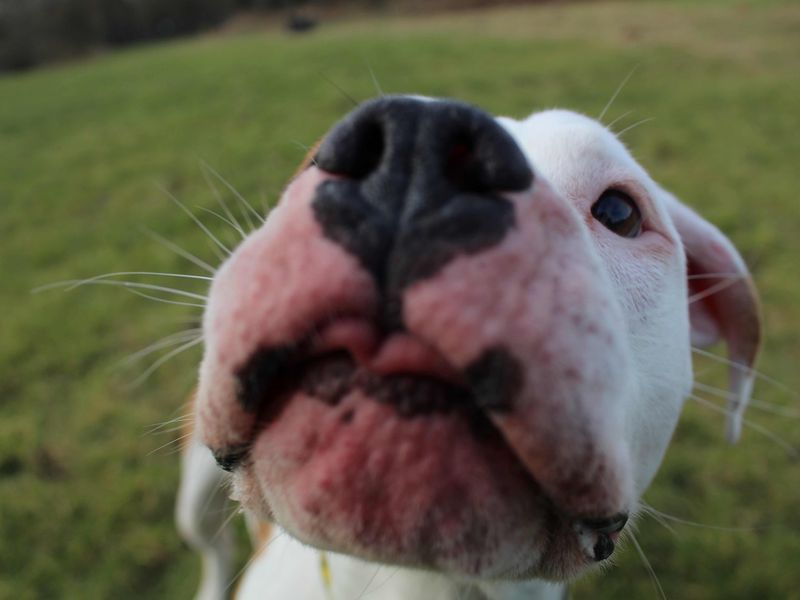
x,y
705,326
723,302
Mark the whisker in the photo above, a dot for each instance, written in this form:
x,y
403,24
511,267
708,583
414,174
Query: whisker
x,y
265,207
173,429
629,127
340,90
759,404
648,566
787,447
74,283
369,582
618,119
158,426
210,498
233,224
616,93
774,409
81,282
238,196
177,441
152,368
375,80
164,300
251,226
717,276
749,370
236,511
252,558
220,200
218,254
180,251
305,149
717,287
169,340
197,221
388,578
655,512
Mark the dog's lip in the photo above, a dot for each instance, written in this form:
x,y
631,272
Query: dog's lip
x,y
397,354
385,356
404,354
400,353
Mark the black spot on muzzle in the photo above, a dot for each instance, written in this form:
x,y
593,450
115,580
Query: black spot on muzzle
x,y
495,379
257,377
421,183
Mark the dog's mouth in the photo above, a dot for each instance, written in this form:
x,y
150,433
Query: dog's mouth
x,y
344,356
400,462
328,378
397,450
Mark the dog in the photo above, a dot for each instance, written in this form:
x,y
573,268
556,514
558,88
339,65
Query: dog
x,y
459,346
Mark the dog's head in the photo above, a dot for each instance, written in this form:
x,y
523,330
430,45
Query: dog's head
x,y
463,343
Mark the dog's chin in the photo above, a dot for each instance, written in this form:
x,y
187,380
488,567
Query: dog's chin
x,y
399,470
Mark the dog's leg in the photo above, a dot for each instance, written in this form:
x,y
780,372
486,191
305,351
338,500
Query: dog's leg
x,y
202,519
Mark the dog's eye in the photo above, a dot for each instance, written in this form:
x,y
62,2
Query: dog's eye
x,y
618,212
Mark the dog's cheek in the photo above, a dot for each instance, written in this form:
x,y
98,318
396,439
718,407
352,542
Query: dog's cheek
x,y
556,319
281,282
649,280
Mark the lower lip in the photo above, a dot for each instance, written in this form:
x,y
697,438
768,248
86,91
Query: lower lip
x,y
366,479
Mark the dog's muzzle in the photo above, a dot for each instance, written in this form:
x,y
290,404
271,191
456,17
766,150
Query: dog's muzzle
x,y
415,359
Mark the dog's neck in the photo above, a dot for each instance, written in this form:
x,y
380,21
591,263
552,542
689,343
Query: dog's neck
x,y
288,569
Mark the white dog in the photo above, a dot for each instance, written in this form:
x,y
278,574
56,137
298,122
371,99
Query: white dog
x,y
458,346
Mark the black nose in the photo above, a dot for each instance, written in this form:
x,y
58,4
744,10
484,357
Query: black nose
x,y
400,137
421,184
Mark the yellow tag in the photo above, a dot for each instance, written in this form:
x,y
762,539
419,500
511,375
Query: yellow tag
x,y
325,571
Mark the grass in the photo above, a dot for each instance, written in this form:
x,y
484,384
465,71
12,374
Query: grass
x,y
88,150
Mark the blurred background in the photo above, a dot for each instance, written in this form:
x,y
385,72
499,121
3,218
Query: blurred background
x,y
116,115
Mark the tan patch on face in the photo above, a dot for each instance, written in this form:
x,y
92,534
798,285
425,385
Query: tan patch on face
x,y
309,158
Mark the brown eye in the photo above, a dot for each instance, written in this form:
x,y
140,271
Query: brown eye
x,y
618,212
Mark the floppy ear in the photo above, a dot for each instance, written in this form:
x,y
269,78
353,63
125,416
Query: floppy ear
x,y
723,303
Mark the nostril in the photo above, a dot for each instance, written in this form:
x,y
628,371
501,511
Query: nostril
x,y
354,149
459,168
367,150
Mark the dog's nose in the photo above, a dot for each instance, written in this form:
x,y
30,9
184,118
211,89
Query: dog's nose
x,y
445,142
421,182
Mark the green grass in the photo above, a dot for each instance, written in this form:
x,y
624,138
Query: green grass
x,y
86,494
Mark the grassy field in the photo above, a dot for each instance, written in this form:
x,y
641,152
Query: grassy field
x,y
90,151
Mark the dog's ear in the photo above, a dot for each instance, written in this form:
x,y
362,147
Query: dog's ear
x,y
723,303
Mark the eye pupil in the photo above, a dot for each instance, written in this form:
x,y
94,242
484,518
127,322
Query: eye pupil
x,y
618,212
